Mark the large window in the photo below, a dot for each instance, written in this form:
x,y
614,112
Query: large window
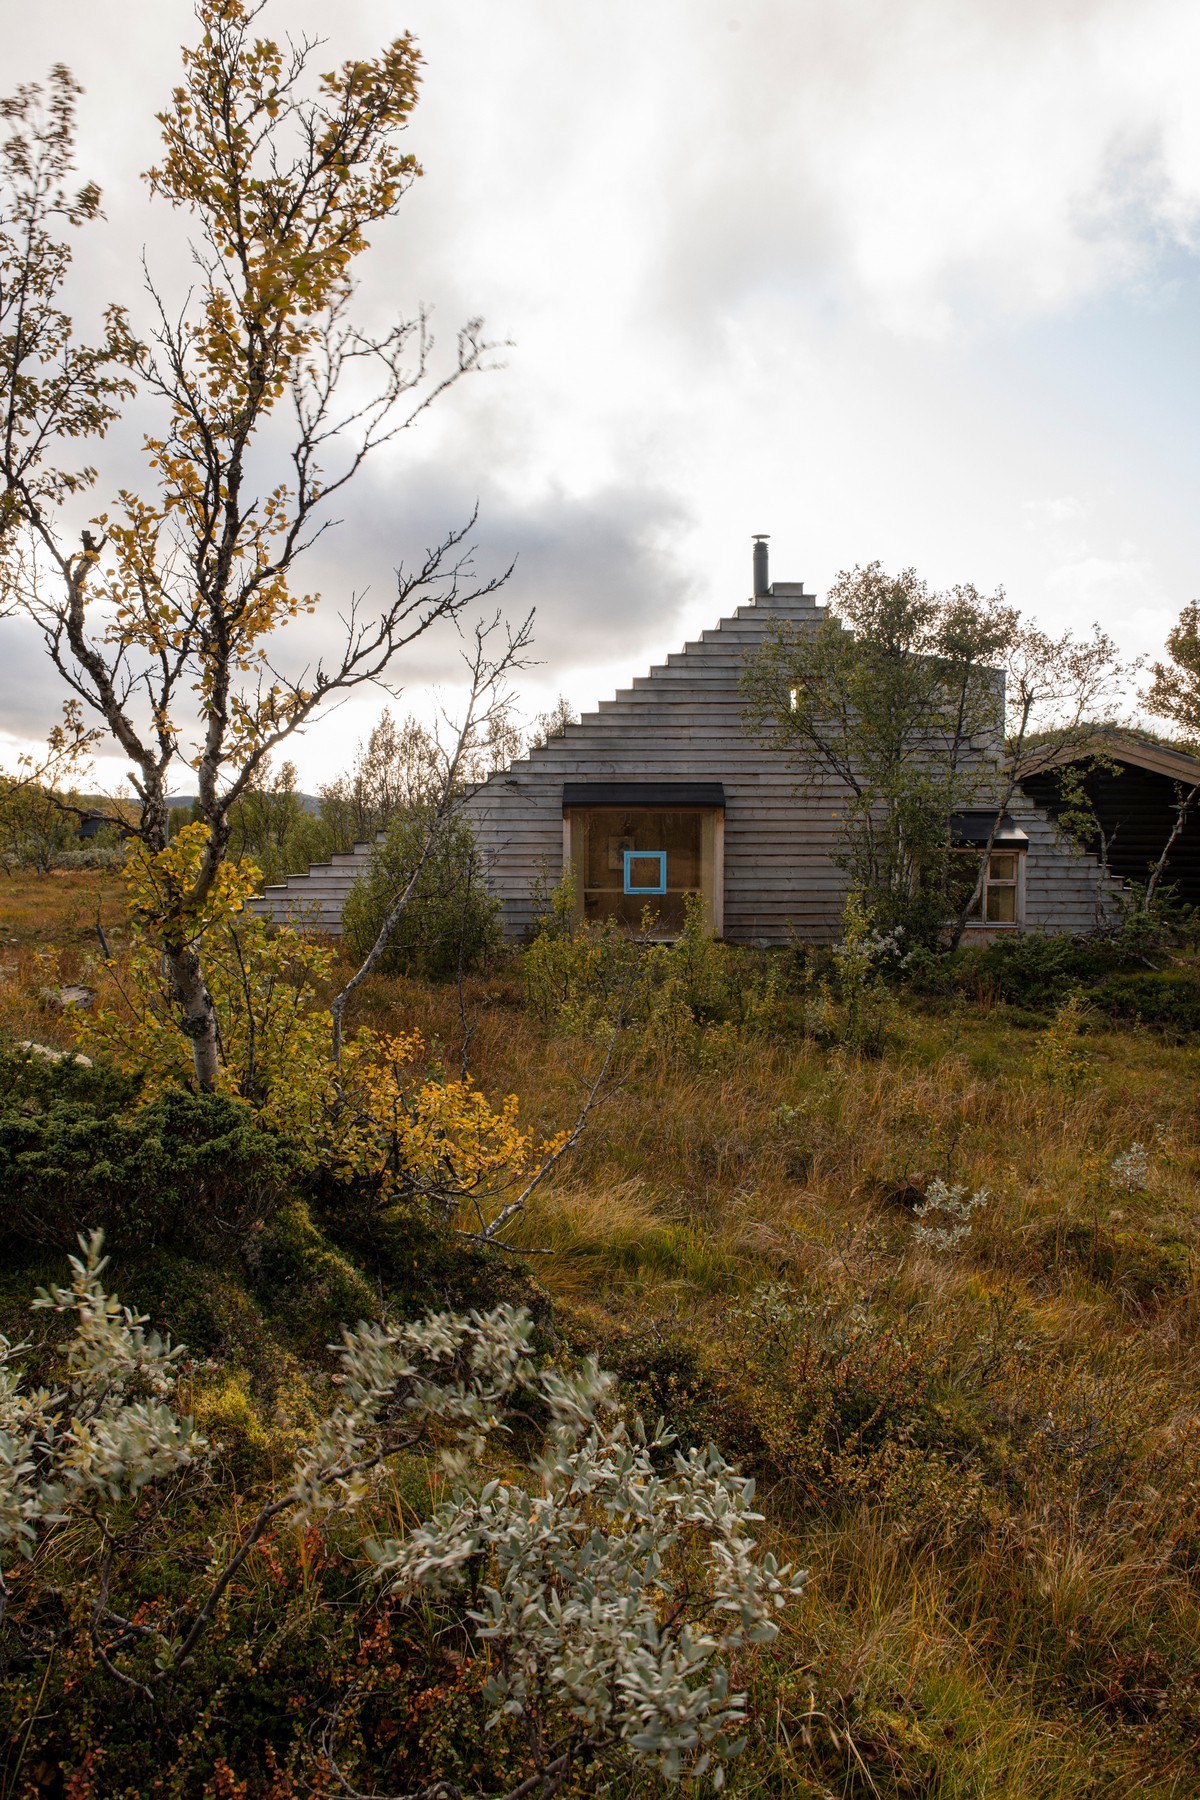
x,y
633,860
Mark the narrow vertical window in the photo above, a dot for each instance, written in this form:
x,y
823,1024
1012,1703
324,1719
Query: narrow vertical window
x,y
1001,893
1001,901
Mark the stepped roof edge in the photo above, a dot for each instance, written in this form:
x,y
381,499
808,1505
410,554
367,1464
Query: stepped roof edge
x,y
783,600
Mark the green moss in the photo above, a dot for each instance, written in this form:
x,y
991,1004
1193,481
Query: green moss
x,y
226,1412
208,1309
299,1276
417,1262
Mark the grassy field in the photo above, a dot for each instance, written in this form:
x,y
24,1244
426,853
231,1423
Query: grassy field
x,y
986,1456
986,1453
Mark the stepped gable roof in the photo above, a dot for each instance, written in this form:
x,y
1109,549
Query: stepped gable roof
x,y
713,653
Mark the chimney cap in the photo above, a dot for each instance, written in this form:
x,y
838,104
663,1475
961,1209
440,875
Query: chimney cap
x,y
760,537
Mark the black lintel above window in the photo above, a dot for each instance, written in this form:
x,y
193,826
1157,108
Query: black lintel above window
x,y
973,829
643,793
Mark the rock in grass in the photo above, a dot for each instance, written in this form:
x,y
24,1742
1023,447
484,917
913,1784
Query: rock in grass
x,y
48,1053
68,999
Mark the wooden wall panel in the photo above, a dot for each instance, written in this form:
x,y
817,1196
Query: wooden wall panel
x,y
683,722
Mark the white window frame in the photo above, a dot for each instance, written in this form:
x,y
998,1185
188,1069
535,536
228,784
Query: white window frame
x,y
980,921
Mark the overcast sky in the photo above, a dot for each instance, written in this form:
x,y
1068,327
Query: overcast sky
x,y
911,279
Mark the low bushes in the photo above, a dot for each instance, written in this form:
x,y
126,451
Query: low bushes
x,y
91,856
235,1237
694,994
702,996
186,1178
1030,971
1116,974
1169,998
188,1170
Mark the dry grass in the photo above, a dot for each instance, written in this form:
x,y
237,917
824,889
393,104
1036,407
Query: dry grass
x,y
60,909
1004,1597
988,1458
47,937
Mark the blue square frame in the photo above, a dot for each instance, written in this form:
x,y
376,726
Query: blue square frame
x,y
658,856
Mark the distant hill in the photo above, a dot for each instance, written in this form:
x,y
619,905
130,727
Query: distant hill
x,y
309,802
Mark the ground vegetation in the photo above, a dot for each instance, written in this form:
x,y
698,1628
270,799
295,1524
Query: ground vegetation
x,y
931,1284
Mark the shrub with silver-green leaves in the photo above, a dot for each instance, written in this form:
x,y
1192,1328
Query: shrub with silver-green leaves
x,y
611,1593
1130,1170
608,1590
107,1431
944,1216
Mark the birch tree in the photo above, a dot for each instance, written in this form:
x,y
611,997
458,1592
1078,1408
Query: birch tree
x,y
1174,693
919,705
163,614
896,697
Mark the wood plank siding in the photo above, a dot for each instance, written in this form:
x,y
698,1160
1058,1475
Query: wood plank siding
x,y
1065,888
682,722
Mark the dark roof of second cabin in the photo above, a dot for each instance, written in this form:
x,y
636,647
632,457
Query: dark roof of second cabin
x,y
1134,796
1126,747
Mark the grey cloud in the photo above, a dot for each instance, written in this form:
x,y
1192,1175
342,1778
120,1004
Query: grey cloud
x,y
31,691
847,149
729,260
597,570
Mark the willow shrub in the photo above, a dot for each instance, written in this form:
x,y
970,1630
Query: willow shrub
x,y
607,1587
450,922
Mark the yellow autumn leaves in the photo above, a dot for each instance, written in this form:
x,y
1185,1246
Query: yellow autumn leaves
x,y
387,1115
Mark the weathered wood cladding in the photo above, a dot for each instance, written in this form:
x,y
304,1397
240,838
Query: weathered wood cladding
x,y
683,721
1065,888
313,900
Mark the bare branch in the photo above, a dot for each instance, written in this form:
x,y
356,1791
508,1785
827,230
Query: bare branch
x,y
488,674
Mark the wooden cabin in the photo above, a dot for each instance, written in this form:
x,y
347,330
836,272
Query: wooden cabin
x,y
662,791
1144,797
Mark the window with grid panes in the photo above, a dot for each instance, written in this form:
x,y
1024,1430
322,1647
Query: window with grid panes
x,y
1000,902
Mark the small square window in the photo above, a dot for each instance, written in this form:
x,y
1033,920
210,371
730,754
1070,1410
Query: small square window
x,y
645,871
1004,866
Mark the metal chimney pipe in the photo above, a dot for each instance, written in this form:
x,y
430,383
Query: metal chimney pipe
x,y
762,581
